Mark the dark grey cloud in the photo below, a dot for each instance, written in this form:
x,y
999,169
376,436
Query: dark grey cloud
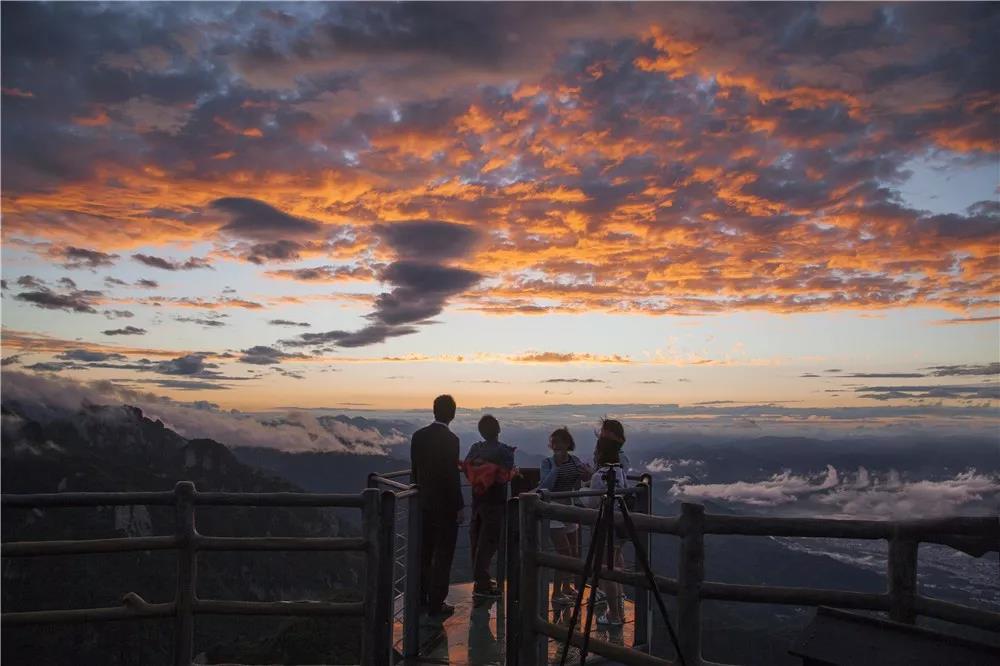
x,y
280,250
263,355
326,273
31,282
420,292
53,366
115,282
926,392
186,384
572,380
128,330
287,322
170,265
88,356
208,320
13,359
256,220
191,364
66,283
147,284
368,335
73,300
79,257
984,369
118,314
429,240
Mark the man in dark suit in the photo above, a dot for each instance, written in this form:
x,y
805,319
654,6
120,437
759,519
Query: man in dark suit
x,y
434,465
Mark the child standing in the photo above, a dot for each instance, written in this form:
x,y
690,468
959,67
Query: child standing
x,y
488,466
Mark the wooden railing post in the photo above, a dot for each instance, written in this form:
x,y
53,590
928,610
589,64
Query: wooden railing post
x,y
643,616
411,593
689,579
512,604
902,578
371,632
186,573
533,645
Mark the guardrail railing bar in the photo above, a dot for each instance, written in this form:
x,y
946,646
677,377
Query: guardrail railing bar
x,y
900,600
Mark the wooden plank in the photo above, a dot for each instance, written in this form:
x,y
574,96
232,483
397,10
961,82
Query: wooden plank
x,y
87,546
583,516
795,596
282,608
902,579
82,615
279,499
530,653
187,567
43,500
690,576
945,610
281,543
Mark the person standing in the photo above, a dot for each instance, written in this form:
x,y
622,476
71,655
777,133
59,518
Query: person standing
x,y
563,472
434,467
489,465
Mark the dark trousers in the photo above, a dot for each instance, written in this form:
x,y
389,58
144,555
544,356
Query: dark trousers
x,y
440,530
484,533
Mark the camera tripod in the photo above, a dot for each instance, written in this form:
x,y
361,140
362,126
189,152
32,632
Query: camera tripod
x,y
602,545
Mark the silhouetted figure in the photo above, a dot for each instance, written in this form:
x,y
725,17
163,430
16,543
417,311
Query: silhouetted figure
x,y
489,465
435,467
607,457
563,472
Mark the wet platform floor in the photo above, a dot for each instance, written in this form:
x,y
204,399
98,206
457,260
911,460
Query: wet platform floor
x,y
474,635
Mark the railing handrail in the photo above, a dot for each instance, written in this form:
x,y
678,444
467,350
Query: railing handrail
x,y
924,530
900,599
377,543
168,498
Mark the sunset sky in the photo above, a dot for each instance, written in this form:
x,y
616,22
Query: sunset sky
x,y
363,205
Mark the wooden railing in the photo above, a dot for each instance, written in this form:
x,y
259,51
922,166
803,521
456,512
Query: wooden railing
x,y
901,601
377,511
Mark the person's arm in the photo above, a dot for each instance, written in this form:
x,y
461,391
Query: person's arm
x,y
414,459
596,483
454,476
549,473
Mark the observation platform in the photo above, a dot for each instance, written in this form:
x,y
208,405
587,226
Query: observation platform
x,y
474,635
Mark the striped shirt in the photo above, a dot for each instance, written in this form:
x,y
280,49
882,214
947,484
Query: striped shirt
x,y
567,475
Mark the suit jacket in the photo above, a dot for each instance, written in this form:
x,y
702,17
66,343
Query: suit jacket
x,y
434,464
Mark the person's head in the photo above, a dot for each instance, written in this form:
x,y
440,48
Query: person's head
x,y
612,429
561,440
607,452
489,428
444,408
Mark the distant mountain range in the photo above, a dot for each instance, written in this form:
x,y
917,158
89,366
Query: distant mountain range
x,y
115,448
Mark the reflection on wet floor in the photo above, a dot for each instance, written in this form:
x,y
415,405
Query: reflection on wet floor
x,y
474,635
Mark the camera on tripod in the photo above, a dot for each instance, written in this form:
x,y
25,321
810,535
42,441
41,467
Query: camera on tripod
x,y
600,554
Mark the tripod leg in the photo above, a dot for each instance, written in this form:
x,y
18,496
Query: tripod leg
x,y
601,533
640,555
588,565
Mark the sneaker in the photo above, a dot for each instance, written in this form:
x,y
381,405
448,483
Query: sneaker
x,y
604,619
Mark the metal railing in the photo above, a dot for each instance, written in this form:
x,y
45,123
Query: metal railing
x,y
377,511
901,601
406,560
